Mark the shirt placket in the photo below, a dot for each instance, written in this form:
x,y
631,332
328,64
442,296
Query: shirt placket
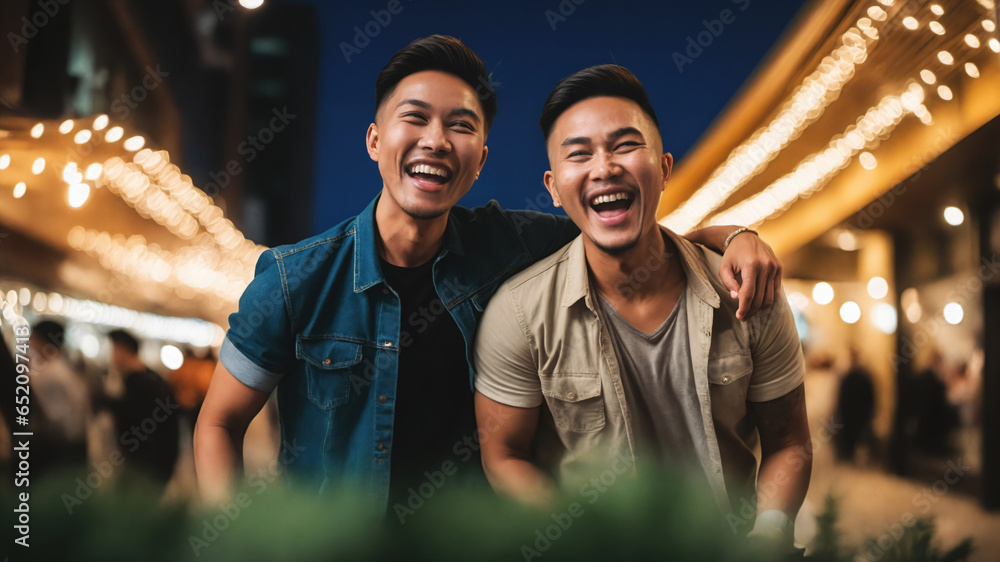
x,y
386,373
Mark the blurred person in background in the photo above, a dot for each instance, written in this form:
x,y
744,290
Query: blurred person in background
x,y
60,401
146,415
855,410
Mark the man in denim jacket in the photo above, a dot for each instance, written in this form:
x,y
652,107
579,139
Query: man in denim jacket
x,y
366,330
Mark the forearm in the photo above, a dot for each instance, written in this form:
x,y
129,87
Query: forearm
x,y
520,479
218,457
712,237
783,481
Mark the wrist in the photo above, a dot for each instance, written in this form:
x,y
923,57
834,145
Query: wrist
x,y
736,233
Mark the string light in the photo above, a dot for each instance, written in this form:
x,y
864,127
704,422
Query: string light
x,y
38,166
100,122
20,189
37,130
66,126
4,161
113,134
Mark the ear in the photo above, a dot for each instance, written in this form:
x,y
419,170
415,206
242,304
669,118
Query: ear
x,y
371,142
668,165
550,184
482,161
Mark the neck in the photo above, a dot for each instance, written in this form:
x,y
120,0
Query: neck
x,y
406,241
645,270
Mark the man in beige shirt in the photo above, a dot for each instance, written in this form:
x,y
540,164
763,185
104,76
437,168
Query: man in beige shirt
x,y
618,349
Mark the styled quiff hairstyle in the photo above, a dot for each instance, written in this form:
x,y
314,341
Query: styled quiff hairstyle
x,y
445,54
596,81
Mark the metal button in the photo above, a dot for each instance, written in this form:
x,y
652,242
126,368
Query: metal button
x,y
378,460
571,396
382,398
725,379
327,361
380,447
387,344
385,291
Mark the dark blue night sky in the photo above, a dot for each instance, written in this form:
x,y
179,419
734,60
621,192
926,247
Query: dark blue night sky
x,y
517,42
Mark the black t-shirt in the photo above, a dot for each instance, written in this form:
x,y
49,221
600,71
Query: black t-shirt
x,y
434,407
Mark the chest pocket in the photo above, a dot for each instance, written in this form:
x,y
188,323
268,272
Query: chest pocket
x,y
729,379
574,400
330,364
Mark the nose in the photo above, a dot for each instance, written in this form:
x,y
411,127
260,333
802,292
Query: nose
x,y
605,166
434,138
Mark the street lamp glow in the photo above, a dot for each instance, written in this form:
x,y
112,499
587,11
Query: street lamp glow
x,y
878,287
850,312
954,216
823,293
953,313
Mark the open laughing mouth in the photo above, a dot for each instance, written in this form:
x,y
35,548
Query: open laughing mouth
x,y
612,207
428,176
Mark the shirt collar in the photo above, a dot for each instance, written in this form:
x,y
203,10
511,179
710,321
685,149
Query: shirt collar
x,y
367,269
578,277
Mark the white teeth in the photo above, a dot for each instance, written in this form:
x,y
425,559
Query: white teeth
x,y
609,198
426,169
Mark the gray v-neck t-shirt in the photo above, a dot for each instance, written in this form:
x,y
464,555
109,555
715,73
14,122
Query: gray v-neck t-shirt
x,y
660,392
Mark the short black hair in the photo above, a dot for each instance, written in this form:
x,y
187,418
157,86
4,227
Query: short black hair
x,y
124,339
443,53
595,81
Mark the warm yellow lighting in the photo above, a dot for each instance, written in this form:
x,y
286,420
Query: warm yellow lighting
x,y
20,189
37,130
876,13
867,160
884,317
988,25
100,122
93,171
971,40
886,2
38,166
945,92
954,216
4,161
82,136
66,126
114,133
937,10
847,241
945,57
71,174
928,76
251,4
132,144
994,45
878,287
936,27
953,313
910,22
850,312
972,70
78,194
823,293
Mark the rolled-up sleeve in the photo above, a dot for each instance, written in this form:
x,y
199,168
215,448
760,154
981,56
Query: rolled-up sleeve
x,y
778,366
257,346
504,361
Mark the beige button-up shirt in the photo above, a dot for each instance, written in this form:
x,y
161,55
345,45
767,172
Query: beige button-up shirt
x,y
542,340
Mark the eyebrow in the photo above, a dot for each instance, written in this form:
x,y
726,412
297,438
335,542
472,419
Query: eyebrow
x,y
462,111
614,136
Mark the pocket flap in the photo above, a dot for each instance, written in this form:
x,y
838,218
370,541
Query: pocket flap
x,y
571,388
328,353
728,368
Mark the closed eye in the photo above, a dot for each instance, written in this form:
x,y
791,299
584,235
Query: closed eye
x,y
628,144
415,115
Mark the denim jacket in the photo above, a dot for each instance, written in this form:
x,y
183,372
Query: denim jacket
x,y
319,323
